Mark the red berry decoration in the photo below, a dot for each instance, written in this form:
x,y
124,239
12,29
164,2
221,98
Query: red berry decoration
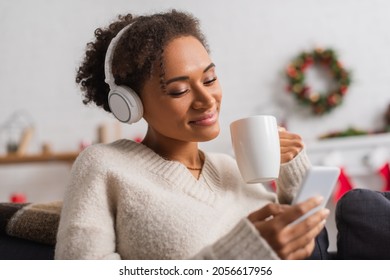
x,y
18,198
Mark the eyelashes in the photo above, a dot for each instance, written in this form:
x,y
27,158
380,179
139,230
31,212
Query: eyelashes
x,y
210,82
178,93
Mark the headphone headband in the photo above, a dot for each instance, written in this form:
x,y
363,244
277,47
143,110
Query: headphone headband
x,y
110,55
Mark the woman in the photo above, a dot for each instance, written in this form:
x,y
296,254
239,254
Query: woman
x,y
164,198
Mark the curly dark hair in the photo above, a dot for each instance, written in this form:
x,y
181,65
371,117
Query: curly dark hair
x,y
136,53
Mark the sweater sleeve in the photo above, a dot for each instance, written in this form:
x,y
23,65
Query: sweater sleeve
x,y
290,177
243,242
87,229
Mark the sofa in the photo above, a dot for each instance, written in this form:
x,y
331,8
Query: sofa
x,y
363,225
28,230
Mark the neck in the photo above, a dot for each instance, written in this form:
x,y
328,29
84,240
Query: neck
x,y
185,152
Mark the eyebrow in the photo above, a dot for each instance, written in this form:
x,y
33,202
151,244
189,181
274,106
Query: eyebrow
x,y
181,78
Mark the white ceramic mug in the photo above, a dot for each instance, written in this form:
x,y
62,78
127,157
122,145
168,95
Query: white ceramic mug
x,y
256,146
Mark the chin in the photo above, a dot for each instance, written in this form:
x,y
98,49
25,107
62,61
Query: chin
x,y
209,136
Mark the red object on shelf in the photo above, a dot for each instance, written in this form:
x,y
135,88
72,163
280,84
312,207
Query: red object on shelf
x,y
18,198
274,186
344,185
384,171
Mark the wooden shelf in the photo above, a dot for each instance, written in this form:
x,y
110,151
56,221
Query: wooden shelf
x,y
68,157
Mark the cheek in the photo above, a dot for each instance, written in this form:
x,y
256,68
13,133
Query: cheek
x,y
165,111
219,98
218,93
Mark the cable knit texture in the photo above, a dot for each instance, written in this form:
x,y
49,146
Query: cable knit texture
x,y
290,177
124,201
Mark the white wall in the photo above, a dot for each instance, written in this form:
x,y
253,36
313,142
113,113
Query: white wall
x,y
251,42
42,42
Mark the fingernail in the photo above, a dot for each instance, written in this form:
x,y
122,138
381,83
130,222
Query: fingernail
x,y
319,199
326,211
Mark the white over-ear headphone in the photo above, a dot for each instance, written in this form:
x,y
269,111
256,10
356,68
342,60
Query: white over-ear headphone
x,y
124,102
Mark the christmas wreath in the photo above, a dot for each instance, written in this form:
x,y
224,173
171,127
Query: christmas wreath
x,y
320,103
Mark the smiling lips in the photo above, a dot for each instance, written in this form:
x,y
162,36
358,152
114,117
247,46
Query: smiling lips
x,y
206,119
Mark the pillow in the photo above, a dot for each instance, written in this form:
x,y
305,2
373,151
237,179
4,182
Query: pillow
x,y
32,221
363,224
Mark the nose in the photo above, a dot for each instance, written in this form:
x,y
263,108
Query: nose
x,y
204,98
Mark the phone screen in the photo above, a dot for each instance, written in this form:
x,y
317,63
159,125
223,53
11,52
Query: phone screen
x,y
318,181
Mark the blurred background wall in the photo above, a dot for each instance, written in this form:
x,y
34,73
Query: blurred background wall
x,y
252,42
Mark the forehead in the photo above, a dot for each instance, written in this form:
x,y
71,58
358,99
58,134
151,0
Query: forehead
x,y
183,55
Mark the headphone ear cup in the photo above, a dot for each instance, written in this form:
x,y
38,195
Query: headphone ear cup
x,y
125,104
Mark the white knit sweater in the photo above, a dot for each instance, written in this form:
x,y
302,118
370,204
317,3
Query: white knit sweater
x,y
126,202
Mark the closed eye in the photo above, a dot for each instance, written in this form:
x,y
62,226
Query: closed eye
x,y
210,82
178,93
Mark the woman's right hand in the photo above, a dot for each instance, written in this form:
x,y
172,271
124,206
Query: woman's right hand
x,y
290,241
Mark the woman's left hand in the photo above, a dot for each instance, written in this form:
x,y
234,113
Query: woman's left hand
x,y
290,145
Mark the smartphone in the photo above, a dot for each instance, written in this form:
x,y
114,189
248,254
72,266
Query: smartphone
x,y
318,181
